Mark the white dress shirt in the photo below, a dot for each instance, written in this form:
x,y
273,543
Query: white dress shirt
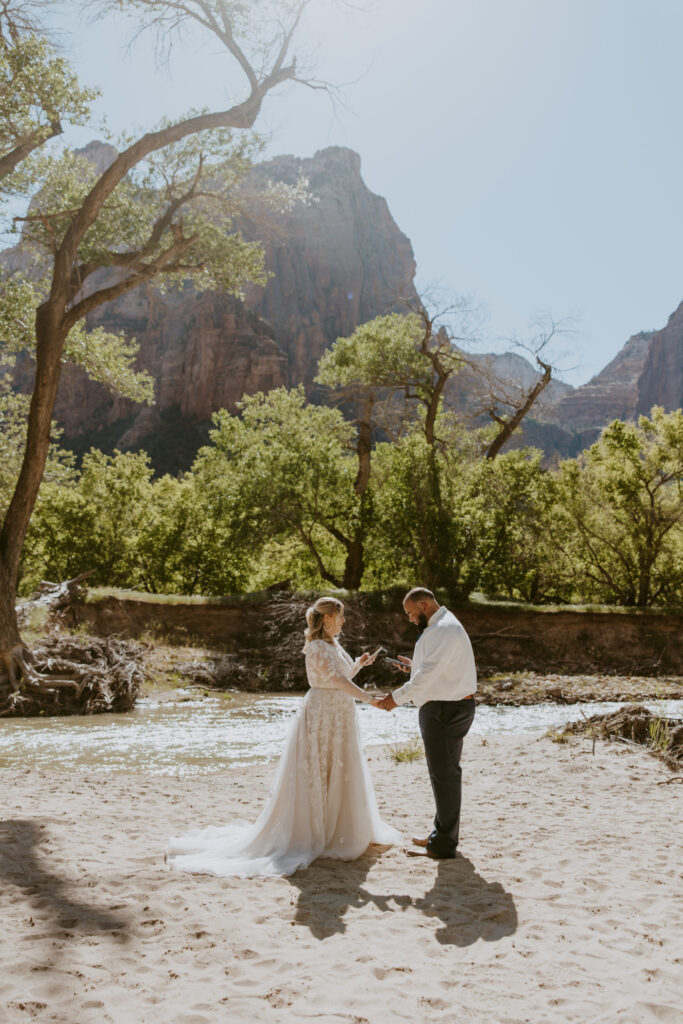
x,y
443,663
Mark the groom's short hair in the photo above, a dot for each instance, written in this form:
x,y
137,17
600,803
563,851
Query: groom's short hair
x,y
419,594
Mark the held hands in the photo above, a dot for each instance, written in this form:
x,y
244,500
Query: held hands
x,y
385,701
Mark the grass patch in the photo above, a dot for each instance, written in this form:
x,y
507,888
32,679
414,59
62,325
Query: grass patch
x,y
412,750
385,600
660,734
557,736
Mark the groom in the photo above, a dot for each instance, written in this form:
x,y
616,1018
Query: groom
x,y
443,680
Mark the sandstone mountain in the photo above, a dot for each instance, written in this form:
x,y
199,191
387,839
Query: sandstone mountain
x,y
336,262
661,382
611,394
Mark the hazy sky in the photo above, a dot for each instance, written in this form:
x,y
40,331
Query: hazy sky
x,y
530,149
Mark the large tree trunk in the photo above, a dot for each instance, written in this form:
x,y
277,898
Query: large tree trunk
x,y
10,642
355,562
49,345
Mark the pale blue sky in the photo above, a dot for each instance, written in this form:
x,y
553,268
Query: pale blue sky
x,y
530,149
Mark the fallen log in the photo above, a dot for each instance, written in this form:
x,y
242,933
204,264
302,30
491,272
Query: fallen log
x,y
51,597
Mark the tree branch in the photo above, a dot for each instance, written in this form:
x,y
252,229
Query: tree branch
x,y
146,273
37,139
509,426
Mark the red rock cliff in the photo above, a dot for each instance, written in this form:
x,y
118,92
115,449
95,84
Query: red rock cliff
x,y
336,262
661,382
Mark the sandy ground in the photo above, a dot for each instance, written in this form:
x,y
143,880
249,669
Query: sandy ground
x,y
564,906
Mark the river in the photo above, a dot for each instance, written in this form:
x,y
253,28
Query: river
x,y
192,736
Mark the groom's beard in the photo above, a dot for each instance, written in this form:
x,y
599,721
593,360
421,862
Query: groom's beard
x,y
422,622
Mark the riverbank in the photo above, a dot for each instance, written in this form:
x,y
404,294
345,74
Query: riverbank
x,y
166,666
562,906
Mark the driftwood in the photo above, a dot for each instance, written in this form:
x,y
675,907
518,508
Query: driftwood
x,y
636,724
51,597
270,656
73,675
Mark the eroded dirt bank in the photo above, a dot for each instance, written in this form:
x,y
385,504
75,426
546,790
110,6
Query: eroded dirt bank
x,y
524,655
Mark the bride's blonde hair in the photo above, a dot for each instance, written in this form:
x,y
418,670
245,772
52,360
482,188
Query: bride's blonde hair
x,y
315,617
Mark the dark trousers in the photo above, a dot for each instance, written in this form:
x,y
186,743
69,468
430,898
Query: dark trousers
x,y
444,725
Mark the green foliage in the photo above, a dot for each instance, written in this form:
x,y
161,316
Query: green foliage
x,y
515,545
38,91
284,465
620,513
18,300
272,498
13,412
181,202
109,359
92,525
187,544
383,353
426,518
13,409
411,750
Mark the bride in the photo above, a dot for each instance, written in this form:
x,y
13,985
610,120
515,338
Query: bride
x,y
322,802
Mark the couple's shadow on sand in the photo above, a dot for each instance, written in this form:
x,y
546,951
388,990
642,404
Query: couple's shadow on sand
x,y
23,865
467,906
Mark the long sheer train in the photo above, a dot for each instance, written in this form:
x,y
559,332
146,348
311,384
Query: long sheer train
x,y
322,802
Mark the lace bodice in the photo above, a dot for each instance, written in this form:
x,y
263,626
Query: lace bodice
x,y
329,667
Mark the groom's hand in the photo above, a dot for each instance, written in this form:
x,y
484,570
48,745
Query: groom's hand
x,y
407,663
388,704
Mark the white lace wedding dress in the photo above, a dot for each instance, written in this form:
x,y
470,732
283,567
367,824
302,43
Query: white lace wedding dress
x,y
322,802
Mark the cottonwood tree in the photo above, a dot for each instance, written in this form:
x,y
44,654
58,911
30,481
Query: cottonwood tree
x,y
398,367
163,208
38,90
619,513
398,375
281,471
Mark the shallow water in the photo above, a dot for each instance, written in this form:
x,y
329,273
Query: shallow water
x,y
194,737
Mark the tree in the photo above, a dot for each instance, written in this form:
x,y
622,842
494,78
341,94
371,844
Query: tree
x,y
516,544
95,520
163,207
619,511
38,90
390,368
285,466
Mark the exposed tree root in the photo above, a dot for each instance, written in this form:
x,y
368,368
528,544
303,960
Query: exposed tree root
x,y
70,675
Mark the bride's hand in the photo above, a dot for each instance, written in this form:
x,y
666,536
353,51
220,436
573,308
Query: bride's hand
x,y
366,659
377,700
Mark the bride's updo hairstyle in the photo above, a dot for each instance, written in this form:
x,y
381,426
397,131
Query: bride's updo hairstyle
x,y
315,617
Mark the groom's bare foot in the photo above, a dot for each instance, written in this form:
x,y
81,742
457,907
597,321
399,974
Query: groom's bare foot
x,y
420,842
